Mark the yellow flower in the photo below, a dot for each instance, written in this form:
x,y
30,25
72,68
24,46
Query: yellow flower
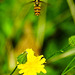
x,y
33,65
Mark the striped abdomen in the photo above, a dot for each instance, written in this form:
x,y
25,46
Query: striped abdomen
x,y
37,10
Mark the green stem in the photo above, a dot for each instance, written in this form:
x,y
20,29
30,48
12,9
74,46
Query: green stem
x,y
13,70
69,69
63,49
68,66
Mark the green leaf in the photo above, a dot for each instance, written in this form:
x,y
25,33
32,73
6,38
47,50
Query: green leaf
x,y
22,58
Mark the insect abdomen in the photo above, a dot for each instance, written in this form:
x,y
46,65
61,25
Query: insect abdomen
x,y
37,10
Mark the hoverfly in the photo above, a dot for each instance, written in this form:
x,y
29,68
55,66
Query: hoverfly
x,y
37,6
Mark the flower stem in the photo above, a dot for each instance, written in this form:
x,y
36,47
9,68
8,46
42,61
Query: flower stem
x,y
68,66
69,69
61,50
13,70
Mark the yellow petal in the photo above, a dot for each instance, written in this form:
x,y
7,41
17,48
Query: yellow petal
x,y
33,65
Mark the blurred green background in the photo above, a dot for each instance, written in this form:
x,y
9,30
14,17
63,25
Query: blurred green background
x,y
46,34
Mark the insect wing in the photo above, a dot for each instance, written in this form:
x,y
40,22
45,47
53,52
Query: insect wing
x,y
24,9
45,3
28,3
43,8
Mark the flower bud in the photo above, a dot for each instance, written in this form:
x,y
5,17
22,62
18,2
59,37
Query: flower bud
x,y
72,41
